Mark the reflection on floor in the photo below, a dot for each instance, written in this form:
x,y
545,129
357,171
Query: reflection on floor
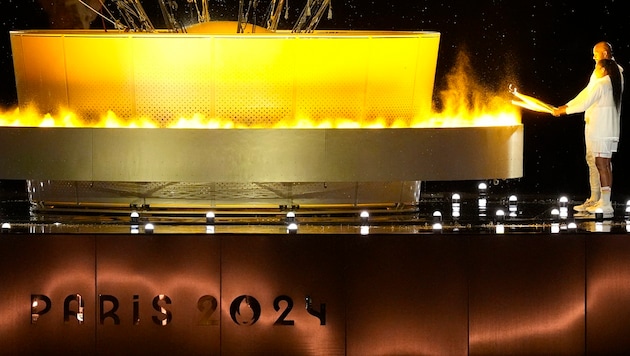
x,y
437,212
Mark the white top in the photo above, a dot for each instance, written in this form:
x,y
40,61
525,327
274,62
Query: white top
x,y
600,114
582,95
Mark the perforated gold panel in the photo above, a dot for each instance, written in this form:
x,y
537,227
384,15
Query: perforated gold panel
x,y
102,77
254,80
172,76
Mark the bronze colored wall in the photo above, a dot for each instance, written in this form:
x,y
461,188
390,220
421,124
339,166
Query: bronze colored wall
x,y
369,295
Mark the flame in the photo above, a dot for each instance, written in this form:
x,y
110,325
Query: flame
x,y
464,103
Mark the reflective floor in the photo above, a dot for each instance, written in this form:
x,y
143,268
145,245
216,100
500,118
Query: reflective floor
x,y
436,212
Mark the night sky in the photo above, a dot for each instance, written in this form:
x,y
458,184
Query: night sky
x,y
545,47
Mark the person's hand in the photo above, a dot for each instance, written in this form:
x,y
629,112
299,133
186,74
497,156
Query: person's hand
x,y
557,112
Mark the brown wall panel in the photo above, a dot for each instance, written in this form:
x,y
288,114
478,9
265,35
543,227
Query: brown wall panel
x,y
608,296
527,295
407,295
282,268
56,267
183,269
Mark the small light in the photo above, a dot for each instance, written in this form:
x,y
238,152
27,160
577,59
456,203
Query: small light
x,y
627,226
483,202
500,215
437,217
437,228
210,217
572,226
564,201
512,205
483,187
455,206
555,213
555,228
134,217
365,216
148,228
210,229
6,226
365,230
134,229
290,217
292,228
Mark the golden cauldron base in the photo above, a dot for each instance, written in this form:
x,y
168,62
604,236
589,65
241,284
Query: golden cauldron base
x,y
253,166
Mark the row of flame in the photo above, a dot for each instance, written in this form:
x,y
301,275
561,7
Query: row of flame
x,y
464,103
65,118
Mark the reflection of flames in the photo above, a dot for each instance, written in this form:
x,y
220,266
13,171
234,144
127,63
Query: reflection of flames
x,y
464,103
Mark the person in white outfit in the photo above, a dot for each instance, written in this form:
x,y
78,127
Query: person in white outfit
x,y
601,50
601,105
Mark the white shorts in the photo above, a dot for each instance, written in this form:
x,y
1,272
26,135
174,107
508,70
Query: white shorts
x,y
602,147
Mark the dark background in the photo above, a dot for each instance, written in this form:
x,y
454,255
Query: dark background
x,y
545,47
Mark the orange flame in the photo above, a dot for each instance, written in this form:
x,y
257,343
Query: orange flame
x,y
464,103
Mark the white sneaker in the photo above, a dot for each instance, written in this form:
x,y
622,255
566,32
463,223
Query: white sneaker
x,y
607,209
584,206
